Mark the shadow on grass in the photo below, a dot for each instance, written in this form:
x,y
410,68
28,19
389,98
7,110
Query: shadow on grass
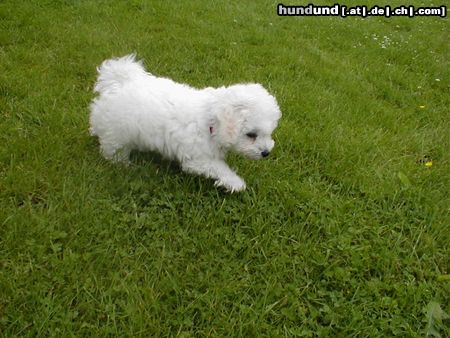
x,y
139,158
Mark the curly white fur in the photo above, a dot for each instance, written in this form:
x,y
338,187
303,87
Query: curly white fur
x,y
137,110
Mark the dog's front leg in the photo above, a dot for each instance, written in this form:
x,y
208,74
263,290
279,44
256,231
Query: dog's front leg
x,y
218,170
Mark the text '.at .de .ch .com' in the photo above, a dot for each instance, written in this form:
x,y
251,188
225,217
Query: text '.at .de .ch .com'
x,y
361,11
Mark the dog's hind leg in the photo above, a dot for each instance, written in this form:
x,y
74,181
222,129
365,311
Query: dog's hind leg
x,y
116,153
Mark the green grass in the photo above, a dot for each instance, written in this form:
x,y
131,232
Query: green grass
x,y
342,232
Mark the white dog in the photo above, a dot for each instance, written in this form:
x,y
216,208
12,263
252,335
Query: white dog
x,y
137,110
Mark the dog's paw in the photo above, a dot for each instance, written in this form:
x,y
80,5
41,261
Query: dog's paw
x,y
231,184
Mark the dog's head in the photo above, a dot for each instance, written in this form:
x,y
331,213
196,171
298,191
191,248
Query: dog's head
x,y
246,120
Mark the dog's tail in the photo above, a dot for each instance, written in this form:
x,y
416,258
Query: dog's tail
x,y
113,73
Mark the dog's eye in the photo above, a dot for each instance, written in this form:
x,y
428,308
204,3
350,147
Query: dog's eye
x,y
251,135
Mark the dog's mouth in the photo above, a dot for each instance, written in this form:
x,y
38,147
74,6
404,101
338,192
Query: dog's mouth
x,y
257,155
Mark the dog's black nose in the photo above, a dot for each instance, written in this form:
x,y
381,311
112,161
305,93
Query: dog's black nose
x,y
265,153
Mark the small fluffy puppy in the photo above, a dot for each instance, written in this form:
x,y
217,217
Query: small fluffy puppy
x,y
137,110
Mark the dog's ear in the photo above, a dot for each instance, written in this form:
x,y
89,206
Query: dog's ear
x,y
228,125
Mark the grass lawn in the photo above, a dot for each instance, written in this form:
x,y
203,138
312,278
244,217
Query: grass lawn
x,y
342,232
